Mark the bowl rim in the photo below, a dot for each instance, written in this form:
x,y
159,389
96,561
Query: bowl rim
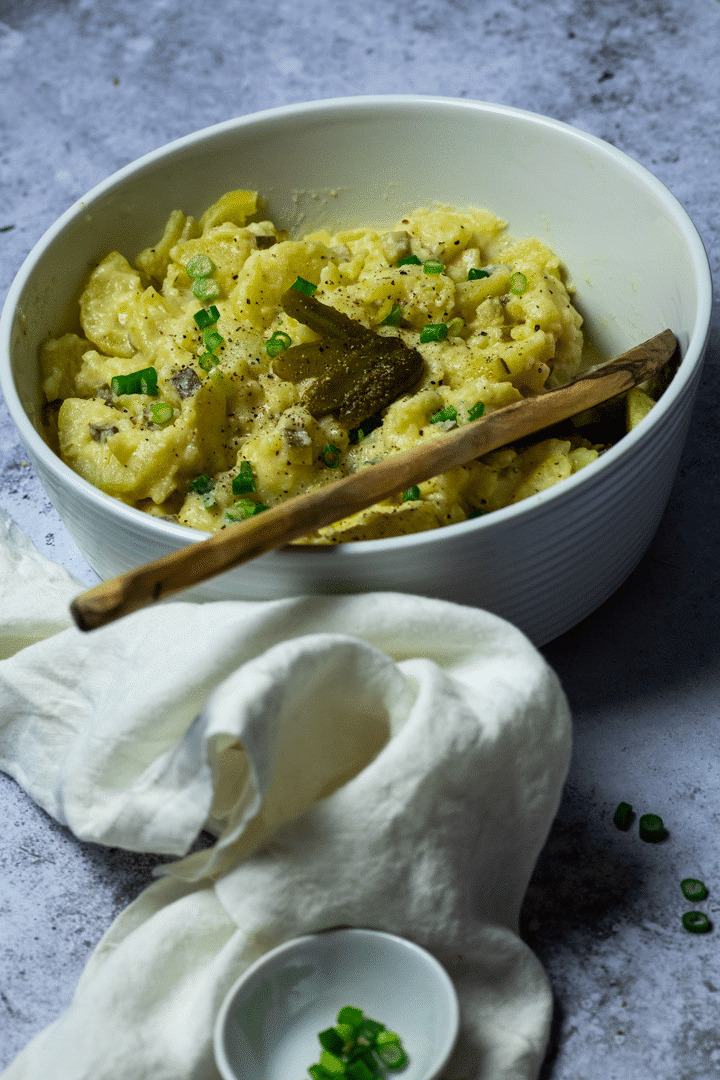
x,y
174,532
441,978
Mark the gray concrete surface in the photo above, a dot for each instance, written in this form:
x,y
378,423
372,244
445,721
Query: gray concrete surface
x,y
86,87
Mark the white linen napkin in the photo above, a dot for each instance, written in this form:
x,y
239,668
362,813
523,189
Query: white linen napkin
x,y
379,760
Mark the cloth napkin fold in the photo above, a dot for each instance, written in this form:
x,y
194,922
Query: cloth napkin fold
x,y
377,760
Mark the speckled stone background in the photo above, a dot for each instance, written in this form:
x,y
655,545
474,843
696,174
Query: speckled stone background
x,y
87,86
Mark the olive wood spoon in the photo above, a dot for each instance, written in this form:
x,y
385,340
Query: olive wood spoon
x,y
304,514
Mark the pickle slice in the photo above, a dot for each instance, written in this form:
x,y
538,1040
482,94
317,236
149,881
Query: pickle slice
x,y
322,318
356,372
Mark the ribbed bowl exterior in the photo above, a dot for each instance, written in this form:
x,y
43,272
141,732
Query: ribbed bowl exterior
x,y
544,569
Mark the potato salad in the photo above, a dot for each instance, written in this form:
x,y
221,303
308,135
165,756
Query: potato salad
x,y
231,365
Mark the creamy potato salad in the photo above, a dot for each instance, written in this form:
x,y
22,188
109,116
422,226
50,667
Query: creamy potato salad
x,y
233,366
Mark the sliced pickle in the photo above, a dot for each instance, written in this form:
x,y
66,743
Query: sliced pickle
x,y
308,361
322,318
356,372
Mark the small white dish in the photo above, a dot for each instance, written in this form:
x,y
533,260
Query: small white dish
x,y
268,1025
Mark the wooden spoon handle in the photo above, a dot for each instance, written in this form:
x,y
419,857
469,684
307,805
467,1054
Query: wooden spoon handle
x,y
304,514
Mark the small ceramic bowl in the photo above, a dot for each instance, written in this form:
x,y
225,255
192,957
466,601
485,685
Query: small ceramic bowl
x,y
633,254
268,1025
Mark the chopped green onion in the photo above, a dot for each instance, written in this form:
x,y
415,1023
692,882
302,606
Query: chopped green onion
x,y
244,508
393,319
161,412
331,1040
357,1048
201,484
212,340
331,456
477,511
277,343
350,1015
409,260
651,828
207,361
448,413
693,889
368,1030
476,411
359,1070
622,817
144,381
303,286
205,288
433,332
412,494
200,266
518,283
392,1056
244,482
696,922
318,1073
475,275
433,266
206,317
455,326
333,1064
386,1036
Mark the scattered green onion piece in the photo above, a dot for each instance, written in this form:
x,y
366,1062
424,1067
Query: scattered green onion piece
x,y
161,412
455,326
409,260
208,361
205,288
475,275
202,484
206,317
696,922
476,411
693,889
433,266
448,413
212,340
144,381
518,283
651,828
244,508
303,286
331,456
393,319
200,266
244,482
477,511
622,817
433,332
412,494
278,343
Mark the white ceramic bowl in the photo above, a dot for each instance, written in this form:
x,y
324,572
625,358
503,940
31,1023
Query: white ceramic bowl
x,y
632,252
267,1027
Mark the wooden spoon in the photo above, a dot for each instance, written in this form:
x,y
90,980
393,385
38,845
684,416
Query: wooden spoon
x,y
304,514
